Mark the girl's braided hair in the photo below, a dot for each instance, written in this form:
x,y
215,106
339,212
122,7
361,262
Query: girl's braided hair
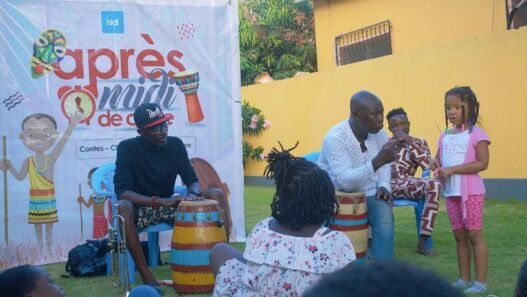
x,y
304,193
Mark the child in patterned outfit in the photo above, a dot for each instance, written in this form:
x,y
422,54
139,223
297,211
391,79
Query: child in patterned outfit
x,y
290,251
412,154
100,221
463,152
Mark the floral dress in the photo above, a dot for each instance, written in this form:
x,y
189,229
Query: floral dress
x,y
283,265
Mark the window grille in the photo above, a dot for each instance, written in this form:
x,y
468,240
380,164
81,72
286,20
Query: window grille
x,y
363,44
516,18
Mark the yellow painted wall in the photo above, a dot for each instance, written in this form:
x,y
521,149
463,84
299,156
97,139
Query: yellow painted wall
x,y
416,24
493,64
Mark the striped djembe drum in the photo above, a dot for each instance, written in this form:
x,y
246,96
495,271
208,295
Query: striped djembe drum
x,y
352,219
188,83
197,228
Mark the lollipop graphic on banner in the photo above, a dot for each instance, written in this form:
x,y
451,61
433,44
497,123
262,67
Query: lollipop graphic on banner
x,y
188,82
48,49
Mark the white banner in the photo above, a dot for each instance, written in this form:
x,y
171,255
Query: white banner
x,y
103,59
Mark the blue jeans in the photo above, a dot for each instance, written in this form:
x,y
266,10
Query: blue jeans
x,y
380,218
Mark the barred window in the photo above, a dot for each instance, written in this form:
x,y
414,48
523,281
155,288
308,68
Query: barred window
x,y
363,44
516,16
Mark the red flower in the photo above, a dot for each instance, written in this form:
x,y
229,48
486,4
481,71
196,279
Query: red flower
x,y
313,248
287,286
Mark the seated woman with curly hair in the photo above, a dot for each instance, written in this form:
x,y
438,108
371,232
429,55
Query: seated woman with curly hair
x,y
290,251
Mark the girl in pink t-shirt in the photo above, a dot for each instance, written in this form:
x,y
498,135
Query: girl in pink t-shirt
x,y
463,152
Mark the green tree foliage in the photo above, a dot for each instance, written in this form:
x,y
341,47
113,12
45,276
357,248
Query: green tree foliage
x,y
276,36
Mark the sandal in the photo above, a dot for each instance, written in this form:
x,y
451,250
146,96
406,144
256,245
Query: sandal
x,y
426,253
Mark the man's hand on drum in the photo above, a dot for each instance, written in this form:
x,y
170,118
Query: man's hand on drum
x,y
384,194
192,196
170,202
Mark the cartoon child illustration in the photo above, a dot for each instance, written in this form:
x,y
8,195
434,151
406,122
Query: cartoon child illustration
x,y
100,223
39,133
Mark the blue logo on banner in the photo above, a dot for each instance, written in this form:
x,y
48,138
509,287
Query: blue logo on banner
x,y
112,22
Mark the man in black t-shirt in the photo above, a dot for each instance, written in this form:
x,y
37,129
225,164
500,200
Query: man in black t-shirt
x,y
146,170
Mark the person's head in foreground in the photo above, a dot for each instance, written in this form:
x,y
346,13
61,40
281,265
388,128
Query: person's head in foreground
x,y
304,193
382,279
28,281
521,283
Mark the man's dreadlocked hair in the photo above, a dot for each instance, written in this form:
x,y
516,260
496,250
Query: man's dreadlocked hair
x,y
304,192
467,96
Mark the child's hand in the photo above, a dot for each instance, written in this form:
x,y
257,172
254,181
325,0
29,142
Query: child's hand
x,y
77,117
445,172
403,137
5,165
80,199
434,164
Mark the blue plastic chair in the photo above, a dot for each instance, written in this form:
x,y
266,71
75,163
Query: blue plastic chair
x,y
103,176
313,156
418,205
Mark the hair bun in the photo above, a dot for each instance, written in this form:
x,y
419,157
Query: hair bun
x,y
279,161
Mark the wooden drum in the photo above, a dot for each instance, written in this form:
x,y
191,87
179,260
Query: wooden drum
x,y
352,219
197,228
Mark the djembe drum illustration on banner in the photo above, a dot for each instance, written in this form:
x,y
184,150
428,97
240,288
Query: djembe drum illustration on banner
x,y
188,83
352,219
197,228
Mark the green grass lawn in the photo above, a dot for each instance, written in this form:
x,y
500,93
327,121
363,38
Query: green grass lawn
x,y
505,234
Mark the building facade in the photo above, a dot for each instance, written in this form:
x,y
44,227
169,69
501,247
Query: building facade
x,y
409,53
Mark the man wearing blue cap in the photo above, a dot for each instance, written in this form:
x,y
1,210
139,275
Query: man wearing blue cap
x,y
146,169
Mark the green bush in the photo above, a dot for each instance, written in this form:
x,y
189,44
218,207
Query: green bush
x,y
276,36
253,124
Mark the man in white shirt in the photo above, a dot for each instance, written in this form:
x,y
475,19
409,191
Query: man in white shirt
x,y
357,153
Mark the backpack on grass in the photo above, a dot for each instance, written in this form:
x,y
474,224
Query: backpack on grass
x,y
88,259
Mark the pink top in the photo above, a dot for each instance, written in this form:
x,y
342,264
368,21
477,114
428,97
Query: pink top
x,y
471,184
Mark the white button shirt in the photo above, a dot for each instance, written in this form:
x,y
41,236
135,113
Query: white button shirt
x,y
349,168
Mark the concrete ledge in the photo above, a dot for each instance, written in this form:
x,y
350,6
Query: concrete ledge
x,y
497,188
258,181
506,188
